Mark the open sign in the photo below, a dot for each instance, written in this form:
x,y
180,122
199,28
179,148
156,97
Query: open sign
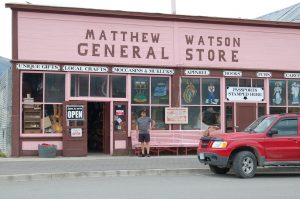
x,y
75,112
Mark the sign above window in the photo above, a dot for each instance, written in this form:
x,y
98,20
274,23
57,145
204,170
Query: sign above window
x,y
51,67
264,74
154,71
197,72
232,73
245,94
91,69
292,75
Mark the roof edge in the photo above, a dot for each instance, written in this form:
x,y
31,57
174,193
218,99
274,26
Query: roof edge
x,y
149,16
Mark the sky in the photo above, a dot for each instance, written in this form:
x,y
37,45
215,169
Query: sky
x,y
245,9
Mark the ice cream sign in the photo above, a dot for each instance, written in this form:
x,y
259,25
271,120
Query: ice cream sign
x,y
244,94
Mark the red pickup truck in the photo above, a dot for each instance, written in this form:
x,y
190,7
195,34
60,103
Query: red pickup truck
x,y
271,140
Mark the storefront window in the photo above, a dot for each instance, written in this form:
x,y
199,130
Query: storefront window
x,y
98,86
158,115
40,116
160,90
244,82
277,93
210,91
277,110
190,91
52,120
135,114
140,90
55,88
210,116
32,87
194,118
231,82
118,86
293,92
79,85
294,109
258,83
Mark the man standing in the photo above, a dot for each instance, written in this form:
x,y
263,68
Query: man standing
x,y
144,124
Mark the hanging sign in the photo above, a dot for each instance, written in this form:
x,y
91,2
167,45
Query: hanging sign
x,y
232,73
75,112
38,67
264,74
154,71
76,132
244,94
196,72
90,69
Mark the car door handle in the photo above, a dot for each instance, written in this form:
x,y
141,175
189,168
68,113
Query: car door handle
x,y
292,139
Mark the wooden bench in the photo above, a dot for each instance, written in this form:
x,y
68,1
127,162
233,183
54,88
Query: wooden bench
x,y
174,141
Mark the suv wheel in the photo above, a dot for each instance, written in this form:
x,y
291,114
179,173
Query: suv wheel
x,y
244,164
218,170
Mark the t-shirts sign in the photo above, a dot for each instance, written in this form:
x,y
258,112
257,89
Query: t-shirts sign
x,y
75,112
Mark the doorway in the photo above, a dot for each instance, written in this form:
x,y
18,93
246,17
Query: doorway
x,y
98,127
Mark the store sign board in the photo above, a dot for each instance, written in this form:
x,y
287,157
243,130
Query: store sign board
x,y
232,73
176,116
50,67
264,74
292,75
75,112
76,132
197,72
244,94
153,71
90,69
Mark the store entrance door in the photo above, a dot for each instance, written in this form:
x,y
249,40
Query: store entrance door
x,y
98,127
120,125
75,128
245,115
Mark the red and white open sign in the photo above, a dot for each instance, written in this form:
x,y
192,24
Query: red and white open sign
x,y
119,112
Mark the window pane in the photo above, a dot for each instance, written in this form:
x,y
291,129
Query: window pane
x,y
32,87
119,86
79,85
190,91
211,116
257,83
287,127
52,121
293,92
277,110
210,91
140,90
55,88
244,82
135,114
294,109
231,82
158,115
160,90
194,118
98,86
277,92
32,114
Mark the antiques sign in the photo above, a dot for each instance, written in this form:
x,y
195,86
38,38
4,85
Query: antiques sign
x,y
75,112
176,116
244,94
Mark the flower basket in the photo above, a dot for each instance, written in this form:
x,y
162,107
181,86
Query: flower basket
x,y
47,150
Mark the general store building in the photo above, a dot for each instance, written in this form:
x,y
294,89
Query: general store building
x,y
81,76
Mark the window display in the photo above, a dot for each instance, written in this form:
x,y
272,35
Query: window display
x,y
211,91
293,91
190,91
119,86
98,86
55,87
277,92
158,115
79,85
52,121
194,121
32,87
159,90
140,90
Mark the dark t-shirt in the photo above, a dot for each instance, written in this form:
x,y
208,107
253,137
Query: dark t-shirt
x,y
144,124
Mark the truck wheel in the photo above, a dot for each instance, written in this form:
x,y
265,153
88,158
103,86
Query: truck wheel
x,y
218,170
244,164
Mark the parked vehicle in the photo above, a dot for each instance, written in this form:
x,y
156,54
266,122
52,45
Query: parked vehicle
x,y
271,140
